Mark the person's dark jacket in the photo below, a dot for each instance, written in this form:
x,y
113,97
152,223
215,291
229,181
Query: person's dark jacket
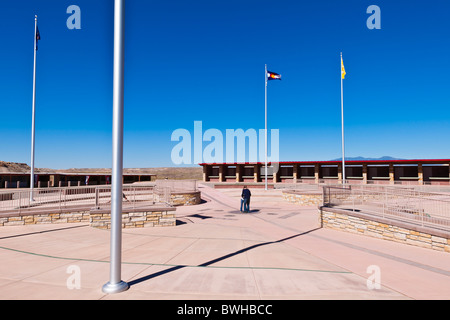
x,y
246,194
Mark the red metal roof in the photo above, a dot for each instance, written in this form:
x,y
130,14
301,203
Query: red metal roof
x,y
402,161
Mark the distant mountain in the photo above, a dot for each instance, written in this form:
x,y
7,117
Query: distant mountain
x,y
363,158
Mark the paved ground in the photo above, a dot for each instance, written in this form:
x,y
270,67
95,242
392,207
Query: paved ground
x,y
277,251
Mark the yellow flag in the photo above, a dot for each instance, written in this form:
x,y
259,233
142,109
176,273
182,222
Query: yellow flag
x,y
343,73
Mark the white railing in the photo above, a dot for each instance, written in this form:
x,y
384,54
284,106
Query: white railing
x,y
430,209
63,198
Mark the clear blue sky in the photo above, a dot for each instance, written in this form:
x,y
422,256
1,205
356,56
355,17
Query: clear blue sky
x,y
204,61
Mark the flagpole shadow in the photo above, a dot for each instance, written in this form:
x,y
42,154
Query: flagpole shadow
x,y
208,263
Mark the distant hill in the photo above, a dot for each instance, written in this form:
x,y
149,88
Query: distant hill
x,y
363,158
162,173
6,167
175,173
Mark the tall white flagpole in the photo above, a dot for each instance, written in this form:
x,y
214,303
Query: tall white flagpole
x,y
342,122
265,132
116,285
33,114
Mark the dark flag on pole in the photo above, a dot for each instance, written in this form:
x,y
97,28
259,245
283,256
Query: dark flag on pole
x,y
38,37
273,76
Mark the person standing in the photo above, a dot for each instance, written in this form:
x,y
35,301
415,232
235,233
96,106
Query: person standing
x,y
246,194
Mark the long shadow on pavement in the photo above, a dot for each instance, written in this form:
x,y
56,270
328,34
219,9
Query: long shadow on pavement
x,y
208,263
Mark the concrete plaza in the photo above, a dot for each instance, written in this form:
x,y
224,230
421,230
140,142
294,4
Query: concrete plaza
x,y
277,251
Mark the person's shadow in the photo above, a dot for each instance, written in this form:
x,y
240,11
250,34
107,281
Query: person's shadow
x,y
243,212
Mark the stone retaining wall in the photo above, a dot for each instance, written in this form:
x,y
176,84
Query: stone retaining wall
x,y
44,218
181,198
137,218
360,223
303,198
185,198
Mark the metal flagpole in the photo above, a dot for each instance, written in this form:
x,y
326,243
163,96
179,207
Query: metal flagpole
x,y
342,122
116,285
33,114
265,132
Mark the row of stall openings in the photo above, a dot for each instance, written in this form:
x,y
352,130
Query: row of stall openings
x,y
377,173
48,180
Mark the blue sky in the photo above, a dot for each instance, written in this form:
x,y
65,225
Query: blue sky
x,y
204,61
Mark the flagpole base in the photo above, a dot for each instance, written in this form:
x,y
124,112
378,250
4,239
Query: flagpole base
x,y
109,288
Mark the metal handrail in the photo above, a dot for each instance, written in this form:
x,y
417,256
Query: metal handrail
x,y
405,204
95,196
16,200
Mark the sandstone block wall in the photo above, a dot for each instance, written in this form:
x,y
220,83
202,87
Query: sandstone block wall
x,y
135,219
44,218
303,199
384,229
185,199
148,217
